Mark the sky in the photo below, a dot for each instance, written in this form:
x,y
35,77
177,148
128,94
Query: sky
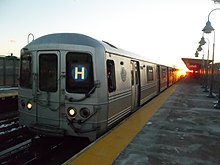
x,y
161,30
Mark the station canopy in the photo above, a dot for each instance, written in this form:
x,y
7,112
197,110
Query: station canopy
x,y
194,64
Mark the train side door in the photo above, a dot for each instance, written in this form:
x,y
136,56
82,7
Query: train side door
x,y
135,85
48,85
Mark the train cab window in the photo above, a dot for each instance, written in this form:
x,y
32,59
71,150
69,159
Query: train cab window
x,y
79,72
26,71
111,75
150,73
48,72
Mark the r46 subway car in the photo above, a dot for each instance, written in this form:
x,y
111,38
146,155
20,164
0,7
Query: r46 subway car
x,y
74,85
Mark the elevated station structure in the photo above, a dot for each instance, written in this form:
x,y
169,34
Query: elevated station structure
x,y
195,65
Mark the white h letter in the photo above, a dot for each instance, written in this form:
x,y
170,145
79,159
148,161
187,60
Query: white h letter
x,y
82,73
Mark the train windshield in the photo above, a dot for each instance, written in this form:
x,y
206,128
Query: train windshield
x,y
48,72
79,72
25,71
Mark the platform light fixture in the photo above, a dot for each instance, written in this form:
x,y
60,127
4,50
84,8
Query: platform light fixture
x,y
199,48
202,41
216,1
208,29
196,54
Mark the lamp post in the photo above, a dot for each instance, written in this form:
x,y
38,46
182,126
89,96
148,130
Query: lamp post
x,y
201,70
205,64
208,29
207,69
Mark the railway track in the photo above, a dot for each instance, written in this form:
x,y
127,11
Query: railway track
x,y
43,150
29,152
12,136
11,133
18,147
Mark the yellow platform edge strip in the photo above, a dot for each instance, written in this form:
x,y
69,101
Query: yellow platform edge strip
x,y
106,149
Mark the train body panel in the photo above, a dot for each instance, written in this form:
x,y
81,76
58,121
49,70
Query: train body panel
x,y
119,87
71,84
163,78
149,81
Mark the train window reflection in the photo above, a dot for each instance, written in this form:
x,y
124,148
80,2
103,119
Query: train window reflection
x,y
48,72
25,71
111,75
79,72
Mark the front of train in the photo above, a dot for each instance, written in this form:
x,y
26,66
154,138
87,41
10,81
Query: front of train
x,y
60,86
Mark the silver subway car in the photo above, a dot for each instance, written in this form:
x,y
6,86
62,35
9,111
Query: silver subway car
x,y
74,85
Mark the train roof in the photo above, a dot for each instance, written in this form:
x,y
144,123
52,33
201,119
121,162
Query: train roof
x,y
80,39
66,38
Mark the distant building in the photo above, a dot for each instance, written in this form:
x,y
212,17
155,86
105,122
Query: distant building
x,y
9,70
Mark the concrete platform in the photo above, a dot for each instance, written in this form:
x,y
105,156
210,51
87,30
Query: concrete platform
x,y
106,149
184,131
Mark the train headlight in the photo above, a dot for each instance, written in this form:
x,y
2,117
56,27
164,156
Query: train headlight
x,y
71,112
29,105
84,112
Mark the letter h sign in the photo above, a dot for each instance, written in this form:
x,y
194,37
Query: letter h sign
x,y
79,73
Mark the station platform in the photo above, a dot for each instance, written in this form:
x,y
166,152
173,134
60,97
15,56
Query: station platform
x,y
6,92
180,126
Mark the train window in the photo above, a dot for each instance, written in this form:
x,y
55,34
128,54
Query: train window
x,y
79,72
48,72
136,76
111,75
164,73
132,75
25,71
150,73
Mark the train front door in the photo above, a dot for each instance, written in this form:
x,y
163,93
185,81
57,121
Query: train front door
x,y
47,87
135,85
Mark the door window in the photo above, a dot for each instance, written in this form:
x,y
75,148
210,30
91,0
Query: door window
x,y
26,71
48,72
111,75
150,75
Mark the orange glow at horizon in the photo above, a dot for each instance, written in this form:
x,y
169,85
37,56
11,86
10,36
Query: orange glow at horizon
x,y
182,72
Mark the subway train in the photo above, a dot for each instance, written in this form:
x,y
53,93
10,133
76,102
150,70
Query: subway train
x,y
73,85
